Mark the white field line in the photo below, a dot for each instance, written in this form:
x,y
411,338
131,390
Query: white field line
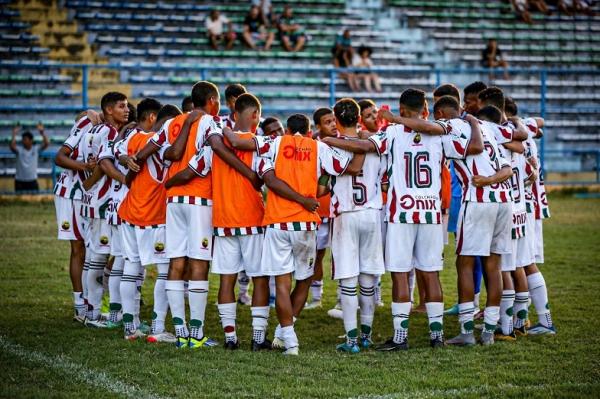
x,y
455,392
74,371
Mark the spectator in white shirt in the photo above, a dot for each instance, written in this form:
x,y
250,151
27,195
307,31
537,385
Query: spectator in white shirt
x,y
219,29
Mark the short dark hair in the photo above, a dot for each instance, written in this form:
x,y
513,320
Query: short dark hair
x,y
475,88
146,107
413,99
202,92
319,113
490,113
245,101
298,123
446,102
132,113
168,111
111,98
447,89
186,101
234,90
27,134
365,104
347,112
268,121
510,106
493,96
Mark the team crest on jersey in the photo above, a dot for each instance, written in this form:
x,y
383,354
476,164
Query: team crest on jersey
x,y
159,247
417,138
104,240
65,225
205,242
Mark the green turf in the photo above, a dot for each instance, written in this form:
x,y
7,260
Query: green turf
x,y
44,353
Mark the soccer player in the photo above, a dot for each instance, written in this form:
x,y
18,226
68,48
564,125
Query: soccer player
x,y
232,92
271,127
67,199
356,243
187,105
471,97
143,212
290,237
325,123
98,143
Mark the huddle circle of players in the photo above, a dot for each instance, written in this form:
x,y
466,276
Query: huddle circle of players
x,y
180,190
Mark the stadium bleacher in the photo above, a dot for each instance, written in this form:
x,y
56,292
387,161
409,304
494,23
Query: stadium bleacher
x,y
154,41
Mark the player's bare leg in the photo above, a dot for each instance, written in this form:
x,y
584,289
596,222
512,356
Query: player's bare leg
x,y
464,269
421,285
316,285
299,295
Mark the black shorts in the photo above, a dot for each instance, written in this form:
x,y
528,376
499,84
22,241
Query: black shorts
x,y
31,185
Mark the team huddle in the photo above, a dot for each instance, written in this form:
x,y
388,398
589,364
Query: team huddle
x,y
246,199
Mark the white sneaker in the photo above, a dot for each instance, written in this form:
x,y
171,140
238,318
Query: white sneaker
x,y
335,313
278,343
244,300
293,351
313,305
95,323
134,335
162,337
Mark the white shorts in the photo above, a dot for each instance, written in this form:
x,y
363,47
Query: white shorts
x,y
286,251
356,244
116,241
144,245
323,240
70,223
97,236
484,228
189,231
414,245
236,253
445,218
539,241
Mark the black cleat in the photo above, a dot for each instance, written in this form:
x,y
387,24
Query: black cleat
x,y
391,346
231,345
437,343
265,346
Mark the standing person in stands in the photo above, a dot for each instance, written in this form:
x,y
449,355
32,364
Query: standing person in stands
x,y
491,57
291,33
27,158
255,30
215,28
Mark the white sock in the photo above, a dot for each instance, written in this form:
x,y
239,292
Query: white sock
x,y
506,311
400,314
539,296
105,278
244,282
129,291
176,297
520,308
476,301
349,302
378,298
114,288
465,317
161,302
435,315
366,300
412,283
260,321
138,295
86,268
316,290
79,304
289,337
94,284
272,287
227,313
198,294
491,315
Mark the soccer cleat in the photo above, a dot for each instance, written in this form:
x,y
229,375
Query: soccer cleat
x,y
521,331
95,323
462,340
111,325
293,351
366,342
79,319
145,328
437,343
498,336
380,304
487,338
134,335
278,343
181,342
232,345
348,348
204,342
391,346
540,329
313,305
244,300
266,345
336,312
452,310
528,324
161,337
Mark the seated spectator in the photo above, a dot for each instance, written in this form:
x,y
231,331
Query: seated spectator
x,y
521,9
266,10
539,5
215,28
27,158
343,54
291,33
256,31
491,57
370,79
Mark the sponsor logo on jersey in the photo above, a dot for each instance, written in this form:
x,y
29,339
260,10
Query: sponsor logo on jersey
x,y
296,153
420,202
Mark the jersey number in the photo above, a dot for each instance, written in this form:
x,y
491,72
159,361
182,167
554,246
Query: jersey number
x,y
416,172
514,181
359,191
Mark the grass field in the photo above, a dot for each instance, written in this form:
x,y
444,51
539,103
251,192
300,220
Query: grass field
x,y
45,354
